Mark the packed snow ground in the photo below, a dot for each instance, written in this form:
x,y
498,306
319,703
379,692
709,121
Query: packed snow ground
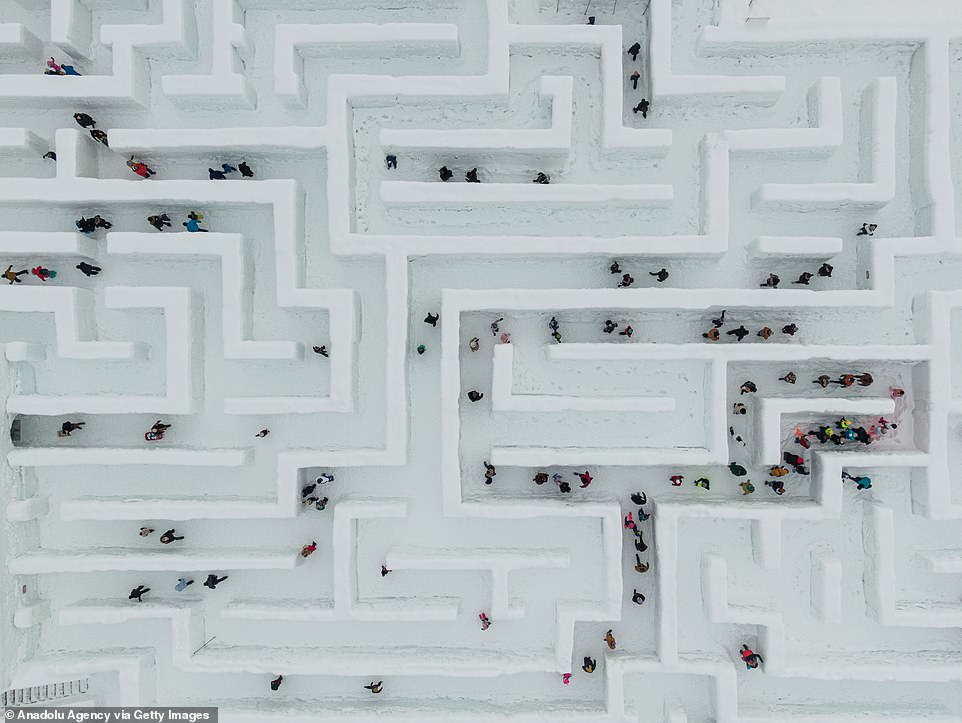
x,y
767,145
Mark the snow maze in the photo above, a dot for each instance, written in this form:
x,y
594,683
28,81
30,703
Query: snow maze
x,y
767,145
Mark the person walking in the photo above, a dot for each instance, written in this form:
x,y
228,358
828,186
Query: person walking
x,y
245,170
750,658
159,221
84,120
276,683
642,107
489,473
67,427
633,51
13,277
610,640
213,581
182,584
43,273
634,80
88,269
140,168
308,550
193,226
589,665
640,545
374,687
137,593
740,333
862,483
169,537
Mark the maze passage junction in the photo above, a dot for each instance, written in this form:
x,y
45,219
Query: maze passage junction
x,y
480,360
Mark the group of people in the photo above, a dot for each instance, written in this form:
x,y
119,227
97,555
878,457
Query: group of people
x,y
627,279
842,431
226,168
446,174
40,271
182,584
87,122
159,221
804,279
90,125
165,539
766,332
85,225
309,495
845,430
54,68
154,434
643,104
374,687
564,487
639,499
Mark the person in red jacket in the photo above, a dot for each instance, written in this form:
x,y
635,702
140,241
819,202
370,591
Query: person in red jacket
x,y
140,168
43,274
750,657
308,550
585,478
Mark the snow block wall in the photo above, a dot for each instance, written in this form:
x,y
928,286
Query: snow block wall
x,y
320,312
